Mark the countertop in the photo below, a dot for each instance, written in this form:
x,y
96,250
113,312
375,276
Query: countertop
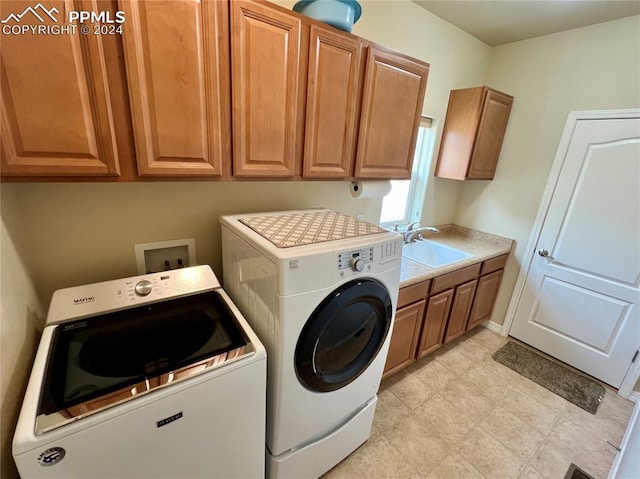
x,y
482,245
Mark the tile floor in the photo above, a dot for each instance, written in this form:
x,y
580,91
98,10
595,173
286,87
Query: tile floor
x,y
459,414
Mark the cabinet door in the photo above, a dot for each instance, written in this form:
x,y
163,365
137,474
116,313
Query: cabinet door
x,y
493,123
462,300
333,89
265,59
177,55
435,321
57,117
404,338
459,133
392,101
485,298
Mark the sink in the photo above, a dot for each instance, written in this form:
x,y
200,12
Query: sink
x,y
433,254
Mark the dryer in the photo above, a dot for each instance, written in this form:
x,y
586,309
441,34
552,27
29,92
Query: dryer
x,y
320,290
152,376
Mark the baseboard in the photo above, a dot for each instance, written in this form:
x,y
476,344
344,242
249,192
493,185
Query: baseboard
x,y
635,397
495,327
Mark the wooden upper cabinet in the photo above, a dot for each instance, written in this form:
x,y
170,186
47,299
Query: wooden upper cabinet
x,y
333,92
473,131
393,94
266,79
177,58
57,117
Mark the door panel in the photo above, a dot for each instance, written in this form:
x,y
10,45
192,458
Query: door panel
x,y
460,309
392,100
493,124
335,66
404,338
604,314
265,47
609,191
59,122
434,322
580,302
177,56
485,298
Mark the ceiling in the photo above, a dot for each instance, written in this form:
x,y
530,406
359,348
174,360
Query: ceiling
x,y
496,22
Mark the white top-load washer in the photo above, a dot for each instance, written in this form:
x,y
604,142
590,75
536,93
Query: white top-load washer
x,y
320,290
151,376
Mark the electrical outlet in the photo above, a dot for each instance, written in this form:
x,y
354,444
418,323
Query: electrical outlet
x,y
165,255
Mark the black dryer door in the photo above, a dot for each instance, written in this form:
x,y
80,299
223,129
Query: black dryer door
x,y
343,335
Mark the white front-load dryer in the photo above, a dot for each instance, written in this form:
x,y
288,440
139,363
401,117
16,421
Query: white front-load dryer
x,y
320,290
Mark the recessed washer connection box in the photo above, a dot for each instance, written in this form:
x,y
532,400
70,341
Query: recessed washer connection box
x,y
165,255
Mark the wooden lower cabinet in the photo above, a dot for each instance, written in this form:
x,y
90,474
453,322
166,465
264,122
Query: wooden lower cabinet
x,y
485,298
404,338
435,321
460,309
434,312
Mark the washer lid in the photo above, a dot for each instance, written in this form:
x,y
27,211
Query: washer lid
x,y
102,361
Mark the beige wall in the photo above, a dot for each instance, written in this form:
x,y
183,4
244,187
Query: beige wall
x,y
590,68
71,234
21,318
77,233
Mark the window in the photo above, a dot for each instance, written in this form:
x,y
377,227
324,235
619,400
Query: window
x,y
403,205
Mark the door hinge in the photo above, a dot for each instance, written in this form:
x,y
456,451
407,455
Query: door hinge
x,y
635,356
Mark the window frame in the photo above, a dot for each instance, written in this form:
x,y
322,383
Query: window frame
x,y
422,160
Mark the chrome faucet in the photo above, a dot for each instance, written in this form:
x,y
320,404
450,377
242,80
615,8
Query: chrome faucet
x,y
413,234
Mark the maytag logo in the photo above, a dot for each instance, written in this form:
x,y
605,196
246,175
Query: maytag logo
x,y
88,299
169,420
51,456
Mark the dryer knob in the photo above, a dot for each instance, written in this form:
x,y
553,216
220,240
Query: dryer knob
x,y
143,287
357,265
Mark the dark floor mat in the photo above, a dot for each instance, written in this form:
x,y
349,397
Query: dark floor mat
x,y
579,390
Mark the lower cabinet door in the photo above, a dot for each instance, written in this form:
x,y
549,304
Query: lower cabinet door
x,y
485,298
462,300
434,322
404,338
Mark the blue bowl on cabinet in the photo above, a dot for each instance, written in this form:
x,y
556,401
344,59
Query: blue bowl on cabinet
x,y
341,14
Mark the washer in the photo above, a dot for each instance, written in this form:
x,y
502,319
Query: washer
x,y
152,376
320,290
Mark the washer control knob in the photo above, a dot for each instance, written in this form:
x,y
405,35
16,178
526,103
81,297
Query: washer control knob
x,y
143,287
357,265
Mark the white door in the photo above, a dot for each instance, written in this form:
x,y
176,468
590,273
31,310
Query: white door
x,y
581,295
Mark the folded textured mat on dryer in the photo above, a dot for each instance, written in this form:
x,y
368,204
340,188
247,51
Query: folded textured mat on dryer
x,y
299,229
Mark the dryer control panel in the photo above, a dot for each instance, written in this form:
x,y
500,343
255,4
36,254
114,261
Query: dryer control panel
x,y
356,260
